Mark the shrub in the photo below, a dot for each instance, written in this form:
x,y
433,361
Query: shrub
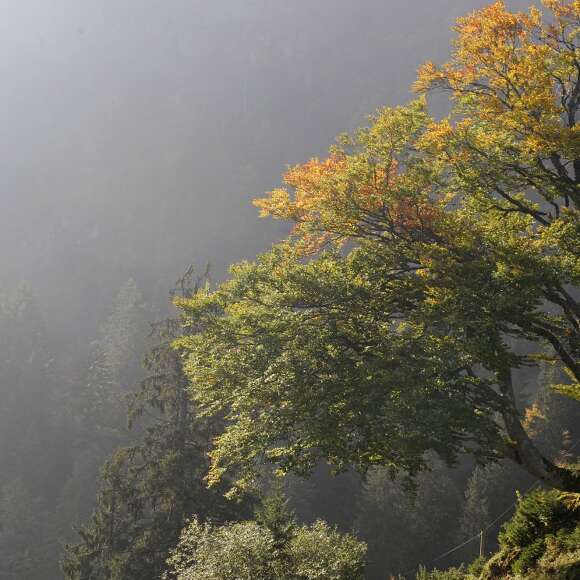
x,y
242,550
249,551
449,574
321,552
543,519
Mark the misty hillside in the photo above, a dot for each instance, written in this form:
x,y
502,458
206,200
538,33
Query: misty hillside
x,y
136,135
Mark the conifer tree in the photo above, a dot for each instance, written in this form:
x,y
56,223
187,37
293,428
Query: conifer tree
x,y
404,528
97,403
151,488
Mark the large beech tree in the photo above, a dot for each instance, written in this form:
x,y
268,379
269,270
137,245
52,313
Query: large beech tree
x,y
423,249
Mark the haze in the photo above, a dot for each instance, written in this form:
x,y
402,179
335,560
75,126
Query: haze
x,y
134,135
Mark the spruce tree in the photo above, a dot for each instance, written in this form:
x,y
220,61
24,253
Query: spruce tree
x,y
97,404
406,527
151,489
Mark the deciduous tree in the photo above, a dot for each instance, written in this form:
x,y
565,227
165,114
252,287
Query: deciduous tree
x,y
422,251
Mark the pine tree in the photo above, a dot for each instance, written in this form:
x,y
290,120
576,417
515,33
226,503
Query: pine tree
x,y
406,527
97,405
115,367
150,489
275,515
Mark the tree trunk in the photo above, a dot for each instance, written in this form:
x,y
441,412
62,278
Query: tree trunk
x,y
521,449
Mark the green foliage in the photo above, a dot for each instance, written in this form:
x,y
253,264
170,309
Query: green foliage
x,y
249,551
319,552
544,527
383,328
538,513
310,360
239,550
450,574
475,568
274,513
151,488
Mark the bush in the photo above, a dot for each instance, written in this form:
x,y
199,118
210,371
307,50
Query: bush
x,y
537,514
321,552
249,551
242,550
476,567
542,540
449,574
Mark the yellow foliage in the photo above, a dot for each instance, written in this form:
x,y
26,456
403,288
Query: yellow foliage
x,y
571,500
370,185
509,71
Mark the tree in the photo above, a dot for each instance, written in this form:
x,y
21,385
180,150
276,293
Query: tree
x,y
114,368
239,550
97,403
319,552
423,250
274,547
403,530
477,515
151,488
274,514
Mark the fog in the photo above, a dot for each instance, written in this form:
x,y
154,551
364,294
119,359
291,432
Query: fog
x,y
135,133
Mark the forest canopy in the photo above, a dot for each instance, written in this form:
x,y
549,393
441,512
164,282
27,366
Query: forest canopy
x,y
424,252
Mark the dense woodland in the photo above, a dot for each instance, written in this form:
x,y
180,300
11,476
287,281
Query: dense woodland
x,y
392,388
